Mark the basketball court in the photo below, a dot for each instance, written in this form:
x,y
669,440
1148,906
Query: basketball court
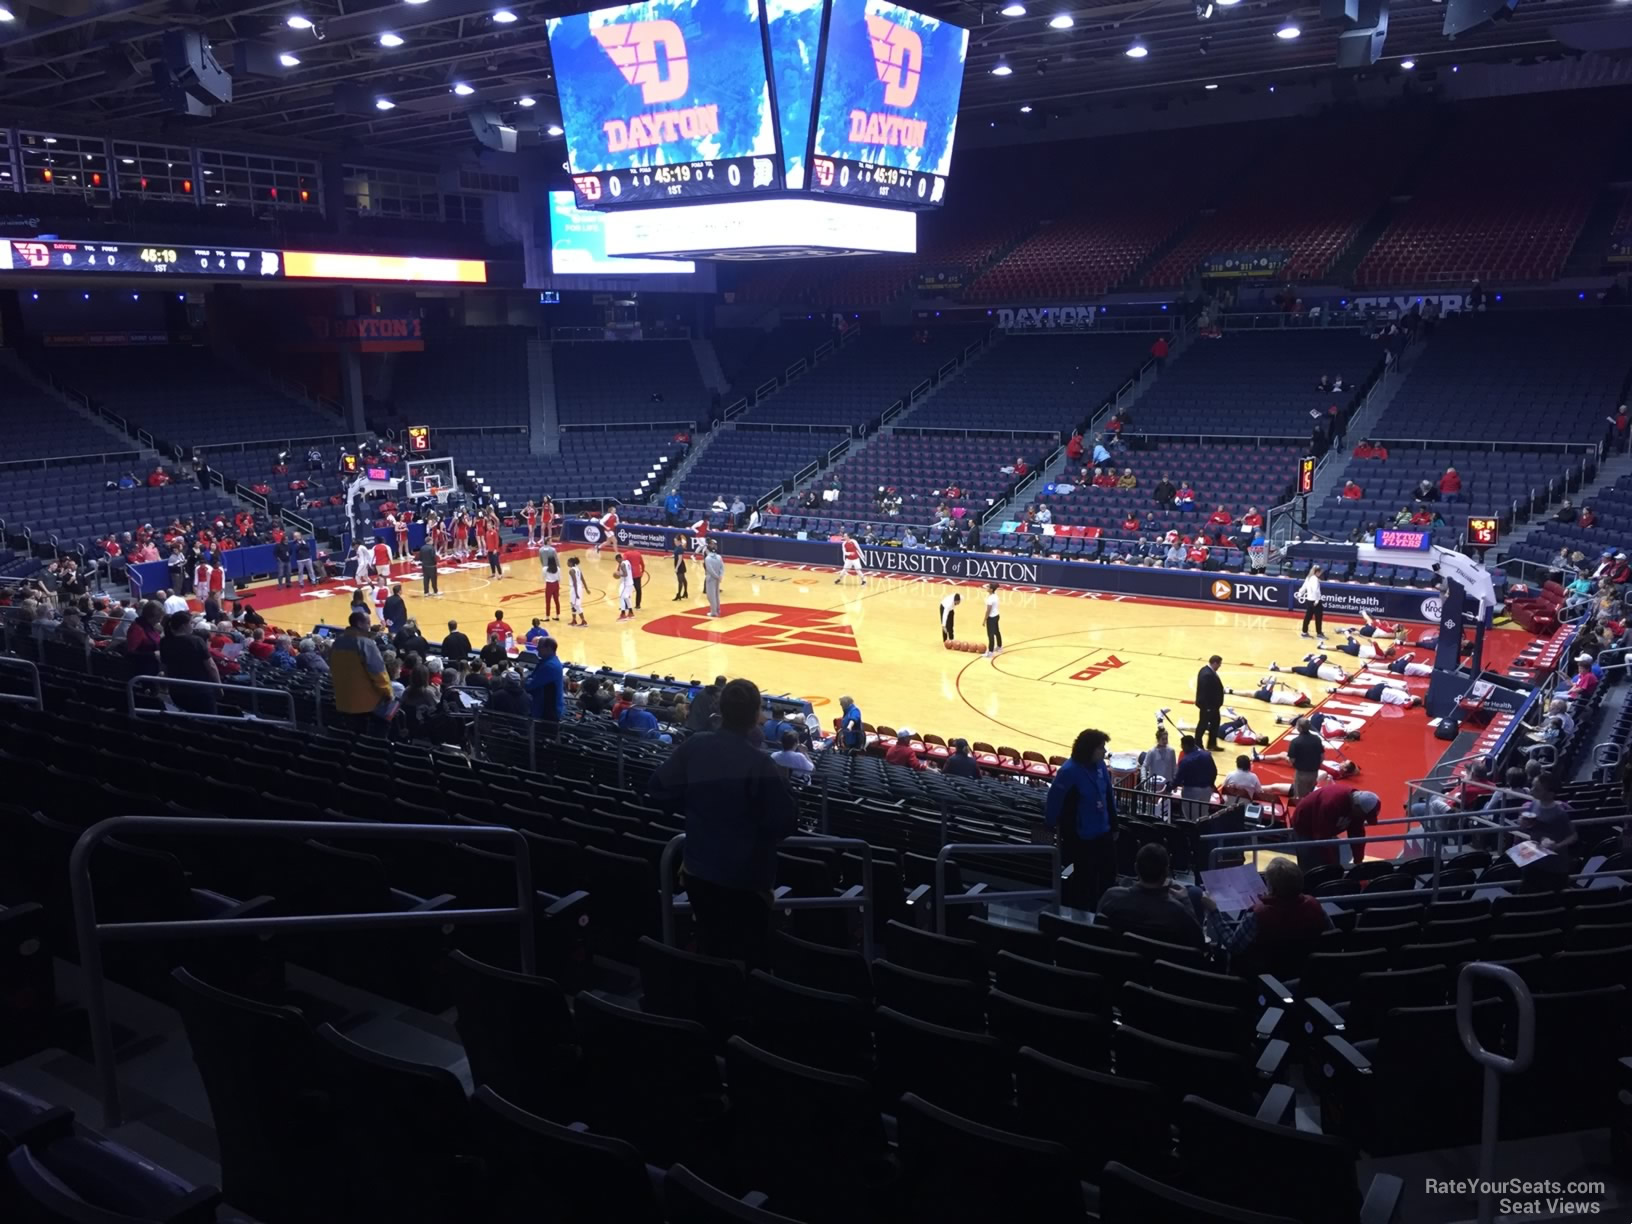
x,y
1071,659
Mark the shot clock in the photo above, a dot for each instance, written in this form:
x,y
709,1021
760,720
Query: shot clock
x,y
1484,532
419,439
1306,475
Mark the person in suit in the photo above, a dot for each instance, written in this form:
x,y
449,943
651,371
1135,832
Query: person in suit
x,y
713,572
427,566
1209,701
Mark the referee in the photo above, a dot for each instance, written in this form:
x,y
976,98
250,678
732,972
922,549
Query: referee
x,y
949,609
1309,594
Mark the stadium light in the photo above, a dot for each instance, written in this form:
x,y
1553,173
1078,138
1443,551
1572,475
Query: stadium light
x,y
288,60
1227,3
1025,110
554,129
297,22
463,89
1137,50
1013,10
1001,68
388,39
1061,21
1408,64
1210,85
527,102
416,1
7,15
504,17
1288,31
384,104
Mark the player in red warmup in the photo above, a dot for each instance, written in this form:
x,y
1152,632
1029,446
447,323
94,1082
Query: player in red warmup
x,y
851,551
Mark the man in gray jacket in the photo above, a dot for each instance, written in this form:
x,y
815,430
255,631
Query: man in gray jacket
x,y
713,571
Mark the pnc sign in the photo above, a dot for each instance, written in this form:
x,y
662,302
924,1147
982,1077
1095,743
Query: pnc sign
x,y
816,632
1224,589
635,46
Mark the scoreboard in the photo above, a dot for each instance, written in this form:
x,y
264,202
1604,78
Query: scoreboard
x,y
1484,532
681,101
57,255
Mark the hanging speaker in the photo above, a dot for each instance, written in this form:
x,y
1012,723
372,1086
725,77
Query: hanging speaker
x,y
1464,15
1361,44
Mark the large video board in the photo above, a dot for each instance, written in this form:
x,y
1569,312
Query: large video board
x,y
665,100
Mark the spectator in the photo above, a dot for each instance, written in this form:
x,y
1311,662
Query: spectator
x,y
592,697
1158,350
902,753
1547,821
309,659
1196,774
186,657
1426,491
960,764
1073,448
1185,498
1159,764
1131,523
1587,518
1104,478
1566,512
1220,518
1021,468
1370,450
174,602
1284,918
1304,752
546,684
1081,808
737,807
419,697
410,640
1450,484
699,717
1241,779
1154,906
1325,813
1100,454
1352,491
1585,680
852,738
456,645
1127,480
395,614
789,757
637,720
507,696
362,687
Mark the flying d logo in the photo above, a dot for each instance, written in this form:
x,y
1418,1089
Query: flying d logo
x,y
633,47
807,631
898,55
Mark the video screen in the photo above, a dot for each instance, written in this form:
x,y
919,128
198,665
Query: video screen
x,y
665,100
795,28
888,108
578,245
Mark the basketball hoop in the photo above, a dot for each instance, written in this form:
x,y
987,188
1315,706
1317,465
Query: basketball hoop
x,y
1258,556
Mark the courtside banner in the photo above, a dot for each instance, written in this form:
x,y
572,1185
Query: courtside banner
x,y
1244,593
666,82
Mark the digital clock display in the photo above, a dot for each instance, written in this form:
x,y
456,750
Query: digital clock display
x,y
683,181
1484,532
873,181
58,255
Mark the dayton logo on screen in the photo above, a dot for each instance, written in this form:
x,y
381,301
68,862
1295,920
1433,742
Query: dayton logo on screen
x,y
898,57
652,54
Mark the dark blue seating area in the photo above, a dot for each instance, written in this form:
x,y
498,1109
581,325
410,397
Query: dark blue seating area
x,y
866,377
591,464
185,395
750,357
71,502
1038,381
613,382
1613,508
466,377
919,467
1529,376
1256,383
254,466
38,427
1508,484
751,463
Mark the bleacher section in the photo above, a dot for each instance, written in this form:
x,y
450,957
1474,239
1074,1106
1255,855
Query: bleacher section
x,y
614,382
1504,197
184,394
253,468
1037,381
465,377
1613,530
750,357
72,502
920,467
38,427
751,463
591,464
1253,383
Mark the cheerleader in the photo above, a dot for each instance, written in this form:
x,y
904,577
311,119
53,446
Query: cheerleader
x,y
400,527
529,514
546,516
439,534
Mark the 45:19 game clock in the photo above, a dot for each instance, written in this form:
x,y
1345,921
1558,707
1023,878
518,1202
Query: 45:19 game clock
x,y
1484,532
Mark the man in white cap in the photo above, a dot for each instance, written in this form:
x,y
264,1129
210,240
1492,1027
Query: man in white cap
x,y
1332,809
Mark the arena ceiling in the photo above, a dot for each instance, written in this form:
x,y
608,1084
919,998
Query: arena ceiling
x,y
86,65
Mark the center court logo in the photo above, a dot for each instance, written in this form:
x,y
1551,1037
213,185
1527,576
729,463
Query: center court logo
x,y
815,632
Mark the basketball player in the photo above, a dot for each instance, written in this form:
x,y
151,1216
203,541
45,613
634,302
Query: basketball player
x,y
1362,648
850,550
1383,691
201,577
1408,665
382,558
626,586
1379,628
550,563
1273,692
949,609
1316,668
438,533
699,534
577,588
1236,730
365,562
1326,724
1342,767
529,513
994,629
609,529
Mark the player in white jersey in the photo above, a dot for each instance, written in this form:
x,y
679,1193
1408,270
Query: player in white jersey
x,y
626,587
1273,691
1315,667
577,588
850,550
1375,688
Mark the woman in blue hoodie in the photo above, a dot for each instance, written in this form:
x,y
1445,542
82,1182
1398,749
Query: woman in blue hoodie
x,y
1082,809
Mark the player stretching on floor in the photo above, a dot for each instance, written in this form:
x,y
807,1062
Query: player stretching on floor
x,y
1371,687
1316,668
1236,730
1362,648
851,551
1273,692
1323,723
1407,665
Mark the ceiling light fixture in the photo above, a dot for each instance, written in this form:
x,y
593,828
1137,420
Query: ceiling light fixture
x,y
1227,3
1408,64
462,89
1025,110
127,161
297,22
504,16
416,2
1210,85
1137,51
384,104
388,39
526,102
1061,21
1001,68
50,140
1288,31
289,61
7,15
553,130
1013,10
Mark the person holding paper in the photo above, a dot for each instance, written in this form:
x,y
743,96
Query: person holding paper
x,y
1284,917
1546,821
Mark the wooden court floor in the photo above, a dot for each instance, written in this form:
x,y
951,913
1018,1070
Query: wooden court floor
x,y
1070,660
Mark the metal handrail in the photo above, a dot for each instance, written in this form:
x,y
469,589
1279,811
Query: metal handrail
x,y
1496,1065
978,895
89,932
846,900
18,698
134,711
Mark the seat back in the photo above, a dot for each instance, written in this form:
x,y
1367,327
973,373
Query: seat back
x,y
518,1034
815,1027
1226,1151
953,1002
1127,1197
707,989
958,1169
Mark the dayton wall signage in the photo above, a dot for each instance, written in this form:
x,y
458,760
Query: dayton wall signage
x,y
1037,318
363,334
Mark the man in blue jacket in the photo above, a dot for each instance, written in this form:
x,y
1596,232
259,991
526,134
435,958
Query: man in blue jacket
x,y
547,684
1081,808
